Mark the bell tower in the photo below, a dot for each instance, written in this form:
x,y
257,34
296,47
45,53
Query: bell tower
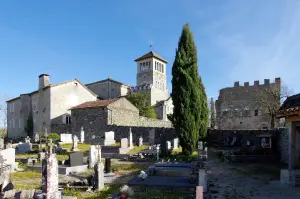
x,y
151,73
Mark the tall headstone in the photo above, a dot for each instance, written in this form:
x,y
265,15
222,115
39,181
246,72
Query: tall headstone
x,y
107,165
1,143
75,143
152,136
175,143
82,135
50,175
169,146
99,176
36,137
93,155
140,141
130,139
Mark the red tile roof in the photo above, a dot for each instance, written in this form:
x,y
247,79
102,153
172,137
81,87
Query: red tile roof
x,y
290,106
98,103
150,55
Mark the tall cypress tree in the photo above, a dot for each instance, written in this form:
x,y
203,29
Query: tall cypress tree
x,y
188,94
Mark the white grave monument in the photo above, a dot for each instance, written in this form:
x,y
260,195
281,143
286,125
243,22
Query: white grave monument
x,y
169,145
124,146
66,138
109,139
130,139
9,155
93,155
175,143
82,135
140,141
75,143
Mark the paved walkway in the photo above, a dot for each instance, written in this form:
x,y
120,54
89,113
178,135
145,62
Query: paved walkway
x,y
246,181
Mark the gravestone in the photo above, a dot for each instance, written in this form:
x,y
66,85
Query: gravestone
x,y
94,154
76,159
75,143
99,176
107,165
41,156
50,176
152,136
66,138
124,146
8,146
140,141
9,155
163,145
10,194
130,139
25,147
27,194
109,138
27,139
175,143
36,137
1,143
81,135
169,146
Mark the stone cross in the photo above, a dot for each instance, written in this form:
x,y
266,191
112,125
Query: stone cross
x,y
130,138
82,135
75,143
140,141
50,176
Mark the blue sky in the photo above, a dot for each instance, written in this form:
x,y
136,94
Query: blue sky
x,y
90,40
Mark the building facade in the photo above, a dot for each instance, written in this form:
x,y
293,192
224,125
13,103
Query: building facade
x,y
47,106
239,107
109,88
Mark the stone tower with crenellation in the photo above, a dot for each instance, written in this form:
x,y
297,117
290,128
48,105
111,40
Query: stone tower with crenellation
x,y
151,77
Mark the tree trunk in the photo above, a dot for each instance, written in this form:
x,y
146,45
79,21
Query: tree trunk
x,y
273,123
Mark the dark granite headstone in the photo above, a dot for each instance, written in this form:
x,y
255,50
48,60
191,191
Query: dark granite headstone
x,y
76,159
107,165
163,145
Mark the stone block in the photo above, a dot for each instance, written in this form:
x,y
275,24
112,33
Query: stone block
x,y
24,148
124,143
25,194
9,194
76,159
66,138
9,155
199,192
110,135
175,143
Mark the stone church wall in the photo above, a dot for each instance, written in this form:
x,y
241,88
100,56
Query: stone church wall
x,y
223,138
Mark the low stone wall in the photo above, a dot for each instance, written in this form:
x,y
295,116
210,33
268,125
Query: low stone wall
x,y
123,132
224,138
149,122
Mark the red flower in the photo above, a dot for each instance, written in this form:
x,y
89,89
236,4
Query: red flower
x,y
123,196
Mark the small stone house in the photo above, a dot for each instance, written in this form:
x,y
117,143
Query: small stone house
x,y
290,110
48,106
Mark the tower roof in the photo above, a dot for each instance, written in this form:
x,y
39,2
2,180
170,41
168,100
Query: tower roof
x,y
150,55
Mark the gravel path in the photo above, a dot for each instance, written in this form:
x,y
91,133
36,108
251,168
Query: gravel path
x,y
238,181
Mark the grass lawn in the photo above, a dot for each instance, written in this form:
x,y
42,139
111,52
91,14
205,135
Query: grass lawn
x,y
105,193
177,154
116,144
81,147
137,149
26,180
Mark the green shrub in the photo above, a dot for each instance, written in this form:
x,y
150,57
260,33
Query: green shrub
x,y
54,136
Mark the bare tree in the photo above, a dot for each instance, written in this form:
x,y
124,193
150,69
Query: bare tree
x,y
3,117
271,97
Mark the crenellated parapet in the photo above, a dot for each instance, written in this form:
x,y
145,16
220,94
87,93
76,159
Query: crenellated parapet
x,y
143,88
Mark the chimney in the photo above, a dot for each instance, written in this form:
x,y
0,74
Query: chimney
x,y
267,81
246,84
277,80
236,84
256,83
44,81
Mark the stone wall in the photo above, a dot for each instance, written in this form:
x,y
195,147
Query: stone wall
x,y
223,138
61,128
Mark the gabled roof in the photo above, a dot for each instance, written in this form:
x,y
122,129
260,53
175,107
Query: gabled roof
x,y
54,85
290,106
93,104
150,55
108,79
162,101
